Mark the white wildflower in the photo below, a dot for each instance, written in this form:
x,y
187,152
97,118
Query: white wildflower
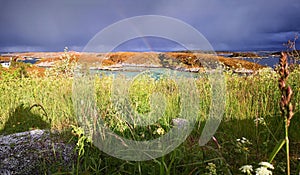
x,y
263,171
267,165
260,121
246,169
243,140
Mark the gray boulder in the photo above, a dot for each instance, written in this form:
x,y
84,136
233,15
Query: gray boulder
x,y
35,152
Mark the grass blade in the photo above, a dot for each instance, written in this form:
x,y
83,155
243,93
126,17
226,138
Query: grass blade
x,y
276,149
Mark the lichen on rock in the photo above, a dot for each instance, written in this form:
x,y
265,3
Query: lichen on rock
x,y
34,152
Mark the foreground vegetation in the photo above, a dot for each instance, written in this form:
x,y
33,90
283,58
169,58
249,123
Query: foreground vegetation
x,y
252,124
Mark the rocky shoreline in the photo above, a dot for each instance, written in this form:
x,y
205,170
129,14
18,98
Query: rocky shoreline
x,y
118,61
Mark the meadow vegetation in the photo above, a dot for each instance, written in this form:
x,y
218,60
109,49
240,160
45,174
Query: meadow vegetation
x,y
251,127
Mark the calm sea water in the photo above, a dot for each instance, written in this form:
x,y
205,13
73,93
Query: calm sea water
x,y
266,58
156,73
268,61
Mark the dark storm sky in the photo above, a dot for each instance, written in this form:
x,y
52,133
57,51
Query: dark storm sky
x,y
40,25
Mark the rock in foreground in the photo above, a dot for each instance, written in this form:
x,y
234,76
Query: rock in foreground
x,y
34,152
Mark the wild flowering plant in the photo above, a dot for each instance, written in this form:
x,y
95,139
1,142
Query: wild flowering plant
x,y
292,49
260,121
286,107
65,66
242,146
160,131
247,169
212,168
265,168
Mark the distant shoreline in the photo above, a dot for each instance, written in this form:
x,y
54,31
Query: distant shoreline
x,y
183,60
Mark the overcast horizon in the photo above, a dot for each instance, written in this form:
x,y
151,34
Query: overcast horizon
x,y
34,25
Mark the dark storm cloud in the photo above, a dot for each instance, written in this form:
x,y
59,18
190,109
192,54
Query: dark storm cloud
x,y
241,24
227,24
49,23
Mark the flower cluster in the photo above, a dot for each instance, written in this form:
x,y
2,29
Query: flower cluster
x,y
264,169
212,168
260,121
243,140
247,169
159,131
243,145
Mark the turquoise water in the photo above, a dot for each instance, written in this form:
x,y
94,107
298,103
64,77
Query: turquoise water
x,y
156,73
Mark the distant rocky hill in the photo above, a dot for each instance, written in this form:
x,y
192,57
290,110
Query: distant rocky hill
x,y
186,61
175,60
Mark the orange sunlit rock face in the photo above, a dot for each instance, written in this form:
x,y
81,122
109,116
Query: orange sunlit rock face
x,y
186,60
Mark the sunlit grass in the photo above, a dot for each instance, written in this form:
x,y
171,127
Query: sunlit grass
x,y
247,98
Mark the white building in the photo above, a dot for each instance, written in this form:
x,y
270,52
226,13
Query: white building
x,y
5,64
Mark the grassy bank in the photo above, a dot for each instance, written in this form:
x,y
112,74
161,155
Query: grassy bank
x,y
252,111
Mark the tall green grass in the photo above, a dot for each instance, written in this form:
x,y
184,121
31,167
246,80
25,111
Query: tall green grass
x,y
247,98
51,93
